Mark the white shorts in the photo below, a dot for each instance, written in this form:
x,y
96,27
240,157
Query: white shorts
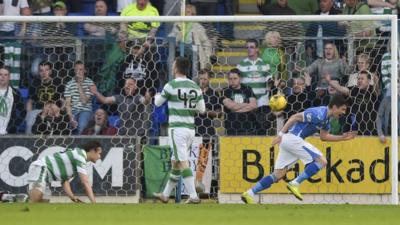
x,y
37,179
293,148
180,140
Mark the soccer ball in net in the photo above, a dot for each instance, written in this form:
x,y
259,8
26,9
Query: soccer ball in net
x,y
277,102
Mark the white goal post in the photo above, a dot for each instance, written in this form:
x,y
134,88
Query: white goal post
x,y
394,47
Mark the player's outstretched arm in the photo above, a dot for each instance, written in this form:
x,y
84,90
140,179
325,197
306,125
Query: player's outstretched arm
x,y
298,117
68,191
87,187
326,136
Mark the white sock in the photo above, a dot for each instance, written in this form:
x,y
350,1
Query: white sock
x,y
174,177
250,192
8,197
294,182
189,184
171,184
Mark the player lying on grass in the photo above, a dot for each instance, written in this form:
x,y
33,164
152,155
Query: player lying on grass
x,y
62,166
293,147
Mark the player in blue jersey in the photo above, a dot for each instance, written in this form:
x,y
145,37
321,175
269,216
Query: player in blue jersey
x,y
293,147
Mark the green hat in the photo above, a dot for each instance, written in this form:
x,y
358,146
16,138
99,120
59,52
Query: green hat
x,y
59,4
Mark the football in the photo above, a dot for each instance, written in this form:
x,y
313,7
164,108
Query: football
x,y
277,102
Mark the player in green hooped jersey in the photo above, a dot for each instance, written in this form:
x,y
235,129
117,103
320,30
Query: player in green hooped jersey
x,y
185,100
62,166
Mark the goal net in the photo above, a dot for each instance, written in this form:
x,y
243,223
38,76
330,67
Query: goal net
x,y
293,56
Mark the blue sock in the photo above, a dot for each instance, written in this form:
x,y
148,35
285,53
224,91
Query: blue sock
x,y
309,171
264,183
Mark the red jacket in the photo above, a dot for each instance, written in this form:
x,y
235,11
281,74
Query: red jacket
x,y
109,130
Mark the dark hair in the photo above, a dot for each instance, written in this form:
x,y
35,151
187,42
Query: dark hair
x,y
79,62
204,71
234,70
6,68
337,100
90,145
182,65
252,40
46,63
366,73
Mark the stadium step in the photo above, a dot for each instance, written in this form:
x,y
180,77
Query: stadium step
x,y
222,68
229,53
249,30
230,58
236,43
218,83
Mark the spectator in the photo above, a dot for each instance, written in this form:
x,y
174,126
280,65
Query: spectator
x,y
204,122
10,47
131,106
12,110
380,7
40,7
140,30
280,7
121,4
59,28
363,64
384,114
254,73
274,55
97,29
330,64
43,89
206,7
142,66
382,121
74,6
227,29
386,67
300,7
106,77
301,96
13,8
326,29
239,102
194,36
322,96
51,120
358,28
78,98
364,99
99,125
310,55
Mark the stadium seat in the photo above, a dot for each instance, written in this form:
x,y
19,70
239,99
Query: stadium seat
x,y
24,94
114,121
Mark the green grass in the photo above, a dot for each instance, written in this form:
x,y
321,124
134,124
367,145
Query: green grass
x,y
205,214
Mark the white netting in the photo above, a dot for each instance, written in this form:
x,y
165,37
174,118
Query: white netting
x,y
297,57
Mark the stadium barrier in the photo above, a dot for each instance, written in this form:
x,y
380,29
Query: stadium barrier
x,y
114,178
357,171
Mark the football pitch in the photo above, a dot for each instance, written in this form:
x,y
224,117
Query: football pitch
x,y
204,214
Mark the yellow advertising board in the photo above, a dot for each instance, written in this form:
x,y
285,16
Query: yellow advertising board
x,y
358,166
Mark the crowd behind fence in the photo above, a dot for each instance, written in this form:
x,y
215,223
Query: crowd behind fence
x,y
55,64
